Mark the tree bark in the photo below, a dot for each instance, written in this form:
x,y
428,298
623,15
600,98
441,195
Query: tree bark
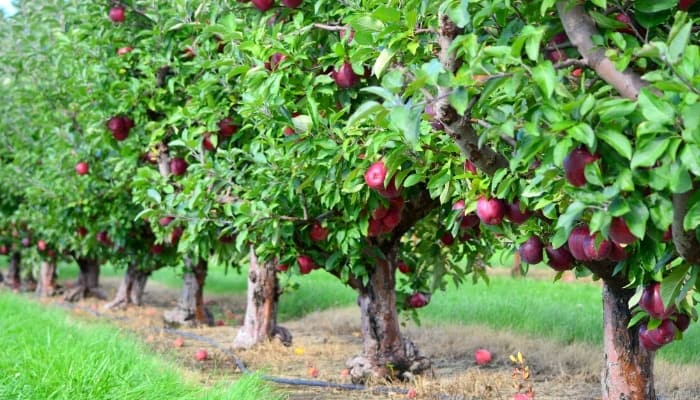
x,y
628,370
14,280
46,286
190,310
386,353
131,289
88,282
260,322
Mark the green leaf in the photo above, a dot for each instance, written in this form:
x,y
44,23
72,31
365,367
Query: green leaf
x,y
152,193
679,42
655,109
407,121
650,152
459,13
583,133
691,122
412,180
600,3
614,109
672,283
637,218
365,110
692,218
382,61
545,77
619,142
654,6
679,178
459,99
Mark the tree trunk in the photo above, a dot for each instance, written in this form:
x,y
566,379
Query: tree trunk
x,y
190,310
386,353
628,370
131,289
29,282
88,282
13,274
261,307
47,279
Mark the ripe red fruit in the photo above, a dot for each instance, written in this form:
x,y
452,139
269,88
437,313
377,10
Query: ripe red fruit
x,y
345,77
312,372
576,239
207,143
318,233
391,192
227,128
4,250
306,264
575,164
156,249
375,175
41,245
82,168
403,267
288,131
275,60
685,4
682,321
189,53
653,304
514,213
375,228
668,235
447,239
220,322
379,212
263,5
392,219
490,211
179,342
351,34
627,21
291,3
176,234
620,232
117,14
459,205
417,300
81,231
596,252
482,356
469,166
469,221
120,127
124,50
645,340
201,355
531,250
103,237
560,259
663,334
178,166
282,267
165,221
617,253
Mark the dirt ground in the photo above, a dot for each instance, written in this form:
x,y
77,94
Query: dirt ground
x,y
325,340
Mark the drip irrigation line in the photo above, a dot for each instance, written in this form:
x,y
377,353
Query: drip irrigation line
x,y
241,366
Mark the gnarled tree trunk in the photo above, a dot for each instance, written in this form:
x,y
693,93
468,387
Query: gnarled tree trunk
x,y
13,273
386,353
190,310
47,279
628,370
261,307
88,282
131,289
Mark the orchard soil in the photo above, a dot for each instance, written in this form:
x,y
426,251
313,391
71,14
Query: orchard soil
x,y
325,340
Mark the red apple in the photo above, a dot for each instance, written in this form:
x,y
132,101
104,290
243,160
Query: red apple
x,y
681,320
201,355
306,264
176,234
291,3
577,73
575,164
645,340
531,250
41,245
560,259
469,221
375,175
652,302
417,300
124,50
620,232
179,342
447,239
82,168
375,228
156,249
311,371
120,127
668,235
379,212
627,21
275,60
178,166
617,253
220,322
318,233
515,214
4,250
263,5
470,167
81,231
664,334
490,211
227,128
576,239
117,14
391,191
207,144
282,267
459,205
685,4
165,221
482,356
345,77
392,219
403,267
596,252
103,237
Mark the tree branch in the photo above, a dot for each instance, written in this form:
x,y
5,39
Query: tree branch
x,y
580,28
459,127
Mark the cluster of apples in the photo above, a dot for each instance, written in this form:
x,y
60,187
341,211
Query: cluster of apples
x,y
383,219
264,5
672,321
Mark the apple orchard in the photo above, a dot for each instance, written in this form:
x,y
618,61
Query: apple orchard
x,y
397,145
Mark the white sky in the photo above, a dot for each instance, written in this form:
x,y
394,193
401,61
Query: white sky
x,y
7,7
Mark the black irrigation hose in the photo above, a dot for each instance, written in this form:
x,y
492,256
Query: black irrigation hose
x,y
241,366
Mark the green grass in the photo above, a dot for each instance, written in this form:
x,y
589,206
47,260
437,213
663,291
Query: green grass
x,y
561,311
47,354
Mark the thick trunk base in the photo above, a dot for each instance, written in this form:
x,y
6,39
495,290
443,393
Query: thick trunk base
x,y
260,324
628,370
47,286
88,282
387,354
190,310
14,280
130,290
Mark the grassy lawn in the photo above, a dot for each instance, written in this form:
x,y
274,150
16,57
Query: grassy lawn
x,y
46,354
